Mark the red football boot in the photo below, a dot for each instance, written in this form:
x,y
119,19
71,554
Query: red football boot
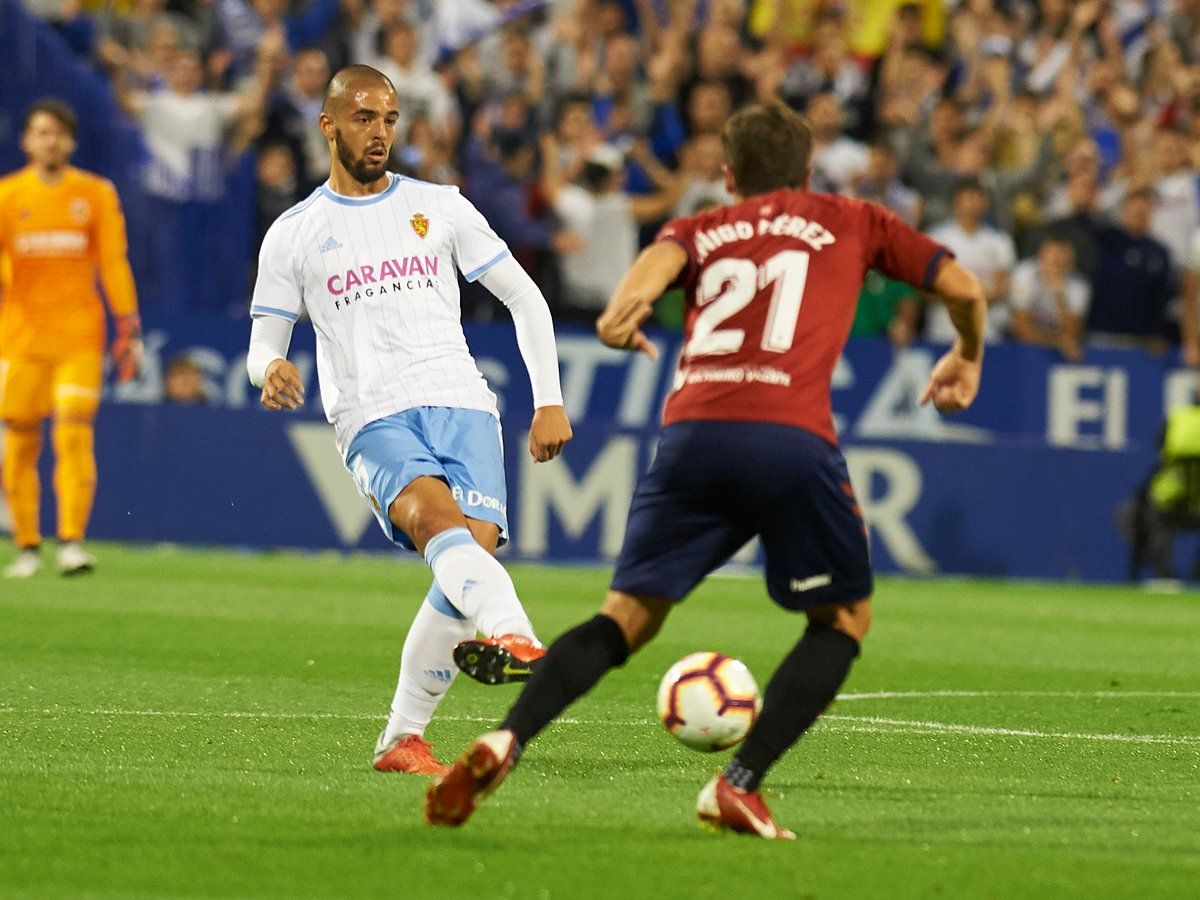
x,y
721,805
452,798
498,660
411,753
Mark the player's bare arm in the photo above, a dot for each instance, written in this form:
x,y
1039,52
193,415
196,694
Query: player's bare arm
x,y
650,275
954,382
282,388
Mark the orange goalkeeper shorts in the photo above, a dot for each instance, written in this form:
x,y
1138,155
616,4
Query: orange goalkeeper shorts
x,y
33,389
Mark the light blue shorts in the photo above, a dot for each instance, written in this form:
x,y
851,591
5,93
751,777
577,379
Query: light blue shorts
x,y
460,446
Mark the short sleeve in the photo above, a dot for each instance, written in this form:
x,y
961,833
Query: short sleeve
x,y
1079,295
1024,286
575,207
476,246
1006,251
899,250
277,290
681,231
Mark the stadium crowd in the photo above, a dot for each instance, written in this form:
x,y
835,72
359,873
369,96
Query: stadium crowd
x,y
1053,145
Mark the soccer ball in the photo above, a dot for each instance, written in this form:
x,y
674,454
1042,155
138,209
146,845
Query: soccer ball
x,y
708,701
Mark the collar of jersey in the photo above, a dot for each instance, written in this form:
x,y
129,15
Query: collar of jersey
x,y
361,201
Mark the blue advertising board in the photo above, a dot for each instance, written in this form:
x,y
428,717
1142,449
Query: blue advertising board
x,y
1023,485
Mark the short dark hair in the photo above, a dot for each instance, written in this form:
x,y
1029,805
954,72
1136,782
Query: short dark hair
x,y
55,108
973,185
768,146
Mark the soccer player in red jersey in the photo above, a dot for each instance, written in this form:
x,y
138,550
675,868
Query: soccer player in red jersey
x,y
748,448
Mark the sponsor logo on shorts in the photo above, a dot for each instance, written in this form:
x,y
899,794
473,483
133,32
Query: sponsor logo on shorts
x,y
478,498
800,585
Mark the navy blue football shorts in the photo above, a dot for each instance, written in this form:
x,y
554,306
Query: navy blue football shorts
x,y
715,485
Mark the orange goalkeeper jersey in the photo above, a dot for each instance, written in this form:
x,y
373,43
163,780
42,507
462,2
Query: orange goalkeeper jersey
x,y
57,244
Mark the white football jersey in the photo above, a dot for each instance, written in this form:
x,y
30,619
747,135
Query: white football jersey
x,y
378,278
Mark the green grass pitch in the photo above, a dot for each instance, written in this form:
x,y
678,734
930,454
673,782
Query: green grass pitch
x,y
200,723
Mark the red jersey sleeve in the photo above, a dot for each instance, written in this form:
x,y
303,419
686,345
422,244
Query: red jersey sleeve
x,y
901,252
681,232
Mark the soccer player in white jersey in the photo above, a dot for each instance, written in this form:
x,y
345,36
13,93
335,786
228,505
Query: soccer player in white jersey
x,y
374,258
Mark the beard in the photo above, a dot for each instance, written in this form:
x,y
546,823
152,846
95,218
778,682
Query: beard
x,y
360,169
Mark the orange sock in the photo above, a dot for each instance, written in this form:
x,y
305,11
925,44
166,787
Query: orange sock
x,y
22,445
74,476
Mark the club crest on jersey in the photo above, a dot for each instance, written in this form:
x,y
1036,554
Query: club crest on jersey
x,y
80,209
419,224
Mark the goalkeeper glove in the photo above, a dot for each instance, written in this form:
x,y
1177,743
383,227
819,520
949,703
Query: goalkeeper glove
x,y
127,347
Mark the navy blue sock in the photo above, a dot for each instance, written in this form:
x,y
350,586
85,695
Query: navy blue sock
x,y
803,686
571,668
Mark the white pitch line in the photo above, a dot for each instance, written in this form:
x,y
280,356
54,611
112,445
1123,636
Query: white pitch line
x,y
870,724
949,728
1076,695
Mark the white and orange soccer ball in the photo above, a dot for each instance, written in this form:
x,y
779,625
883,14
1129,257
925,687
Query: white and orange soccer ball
x,y
708,701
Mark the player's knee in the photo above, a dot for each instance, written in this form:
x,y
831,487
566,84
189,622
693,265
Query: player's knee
x,y
639,618
421,518
853,619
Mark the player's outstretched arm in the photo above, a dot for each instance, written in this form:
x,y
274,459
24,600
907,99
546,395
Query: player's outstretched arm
x,y
655,269
954,382
512,286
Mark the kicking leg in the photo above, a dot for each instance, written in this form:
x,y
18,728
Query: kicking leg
x,y
572,666
803,687
474,582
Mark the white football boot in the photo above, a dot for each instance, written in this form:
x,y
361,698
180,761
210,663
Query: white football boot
x,y
74,560
27,564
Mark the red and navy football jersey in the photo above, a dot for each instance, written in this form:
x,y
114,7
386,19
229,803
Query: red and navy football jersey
x,y
771,285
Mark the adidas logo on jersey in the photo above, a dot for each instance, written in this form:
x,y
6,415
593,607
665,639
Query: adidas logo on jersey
x,y
331,243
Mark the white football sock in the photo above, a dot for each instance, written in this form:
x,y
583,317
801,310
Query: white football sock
x,y
476,584
426,665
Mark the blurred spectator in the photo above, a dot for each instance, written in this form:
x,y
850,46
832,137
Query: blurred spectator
x,y
278,187
1176,214
887,308
983,250
708,106
837,159
293,113
368,22
183,382
125,37
829,70
1049,299
703,168
595,205
189,132
879,183
421,92
1131,284
1189,312
186,126
243,25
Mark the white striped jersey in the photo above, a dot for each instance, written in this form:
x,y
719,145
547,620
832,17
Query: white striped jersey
x,y
377,277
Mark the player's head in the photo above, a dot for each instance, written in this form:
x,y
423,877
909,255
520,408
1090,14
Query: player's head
x,y
767,147
358,118
970,202
48,134
1136,211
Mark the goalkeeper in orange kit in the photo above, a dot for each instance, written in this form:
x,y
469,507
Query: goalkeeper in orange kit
x,y
61,233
